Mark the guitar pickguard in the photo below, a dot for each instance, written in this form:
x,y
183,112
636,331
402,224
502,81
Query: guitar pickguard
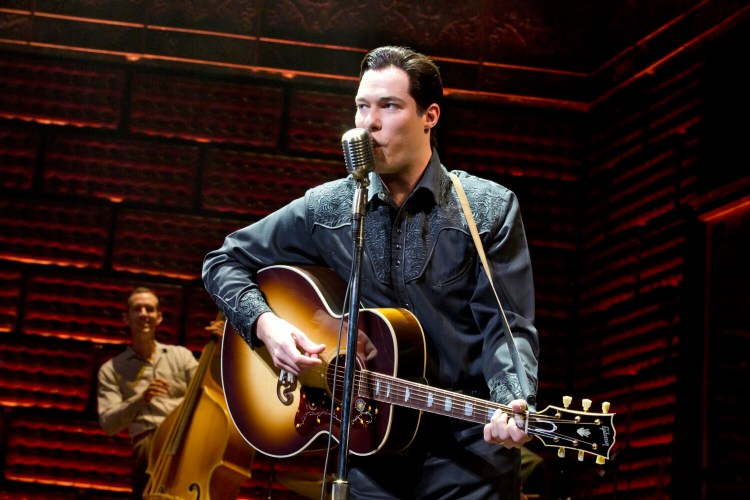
x,y
314,413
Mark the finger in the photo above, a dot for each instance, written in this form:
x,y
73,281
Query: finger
x,y
498,426
514,430
307,362
159,384
308,346
289,368
518,434
491,434
501,418
519,405
287,362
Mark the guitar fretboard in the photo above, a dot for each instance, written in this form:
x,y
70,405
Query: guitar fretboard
x,y
420,397
565,428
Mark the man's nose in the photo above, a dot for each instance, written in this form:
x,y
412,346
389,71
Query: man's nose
x,y
372,120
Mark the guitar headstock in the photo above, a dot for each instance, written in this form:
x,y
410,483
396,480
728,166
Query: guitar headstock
x,y
582,431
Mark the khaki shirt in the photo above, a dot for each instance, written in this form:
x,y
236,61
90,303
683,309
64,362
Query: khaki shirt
x,y
123,379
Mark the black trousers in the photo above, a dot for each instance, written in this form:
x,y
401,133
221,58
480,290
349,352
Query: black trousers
x,y
138,476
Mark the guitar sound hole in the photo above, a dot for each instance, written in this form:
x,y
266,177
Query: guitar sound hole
x,y
335,377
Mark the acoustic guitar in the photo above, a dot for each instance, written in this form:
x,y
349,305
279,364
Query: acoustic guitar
x,y
281,415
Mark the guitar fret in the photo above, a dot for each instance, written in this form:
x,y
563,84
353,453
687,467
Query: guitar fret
x,y
429,399
448,404
468,409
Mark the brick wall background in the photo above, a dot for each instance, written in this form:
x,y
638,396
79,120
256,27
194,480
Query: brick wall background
x,y
118,173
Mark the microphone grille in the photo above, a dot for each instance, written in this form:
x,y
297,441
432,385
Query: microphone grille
x,y
358,152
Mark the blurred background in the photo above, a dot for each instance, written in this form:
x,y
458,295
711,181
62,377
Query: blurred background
x,y
135,134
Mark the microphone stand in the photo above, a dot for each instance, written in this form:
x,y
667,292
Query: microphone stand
x,y
340,489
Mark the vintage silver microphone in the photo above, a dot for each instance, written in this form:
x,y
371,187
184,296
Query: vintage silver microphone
x,y
359,155
360,161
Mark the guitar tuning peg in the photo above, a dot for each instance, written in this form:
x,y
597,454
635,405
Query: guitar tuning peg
x,y
567,400
580,456
600,460
605,407
586,404
561,452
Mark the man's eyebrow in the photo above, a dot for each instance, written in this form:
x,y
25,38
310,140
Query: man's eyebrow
x,y
387,98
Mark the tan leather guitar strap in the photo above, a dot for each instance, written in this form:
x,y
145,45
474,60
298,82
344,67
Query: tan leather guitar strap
x,y
517,363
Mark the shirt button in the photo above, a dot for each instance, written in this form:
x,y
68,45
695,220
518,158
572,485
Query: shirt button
x,y
398,247
398,263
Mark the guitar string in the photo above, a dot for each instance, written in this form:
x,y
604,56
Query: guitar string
x,y
363,378
442,398
398,390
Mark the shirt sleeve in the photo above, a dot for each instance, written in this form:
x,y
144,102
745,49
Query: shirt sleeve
x,y
510,265
189,361
229,272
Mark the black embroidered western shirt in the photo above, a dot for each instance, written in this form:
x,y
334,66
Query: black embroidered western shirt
x,y
419,256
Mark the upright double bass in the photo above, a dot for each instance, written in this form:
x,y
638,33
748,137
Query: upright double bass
x,y
197,452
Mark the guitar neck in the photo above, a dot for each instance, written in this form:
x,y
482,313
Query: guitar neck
x,y
582,431
422,397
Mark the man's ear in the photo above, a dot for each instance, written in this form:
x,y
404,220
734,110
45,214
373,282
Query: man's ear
x,y
431,115
159,318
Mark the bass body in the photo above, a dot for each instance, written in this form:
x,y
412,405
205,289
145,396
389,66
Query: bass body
x,y
197,453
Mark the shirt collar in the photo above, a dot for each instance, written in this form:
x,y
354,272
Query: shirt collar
x,y
430,181
159,349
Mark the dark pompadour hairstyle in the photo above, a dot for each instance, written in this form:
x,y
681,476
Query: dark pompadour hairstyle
x,y
425,83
